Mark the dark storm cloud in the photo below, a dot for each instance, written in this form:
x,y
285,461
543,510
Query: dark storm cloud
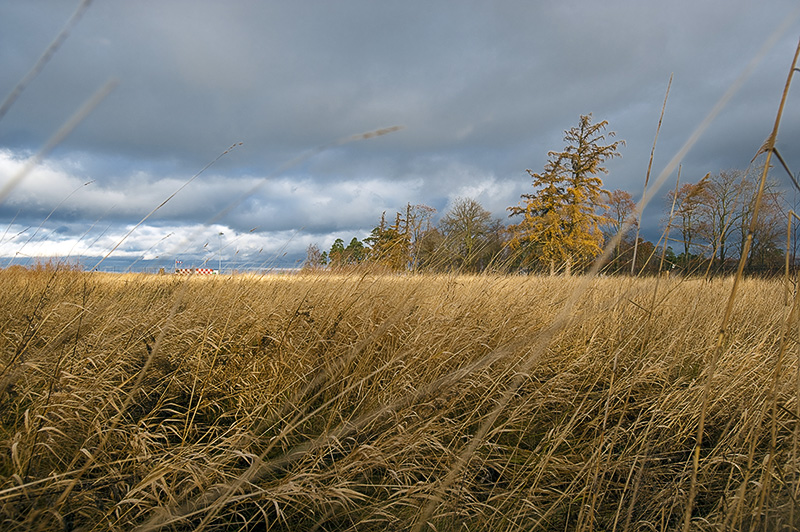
x,y
484,90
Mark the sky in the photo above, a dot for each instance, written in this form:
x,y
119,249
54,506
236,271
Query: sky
x,y
243,115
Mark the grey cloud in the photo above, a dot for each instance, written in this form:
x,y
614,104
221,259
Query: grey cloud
x,y
484,90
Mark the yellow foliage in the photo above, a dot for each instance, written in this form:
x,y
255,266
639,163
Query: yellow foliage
x,y
562,218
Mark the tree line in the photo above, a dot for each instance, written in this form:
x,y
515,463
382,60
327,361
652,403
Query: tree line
x,y
567,220
467,238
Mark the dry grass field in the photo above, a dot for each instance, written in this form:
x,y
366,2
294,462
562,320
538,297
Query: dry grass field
x,y
371,402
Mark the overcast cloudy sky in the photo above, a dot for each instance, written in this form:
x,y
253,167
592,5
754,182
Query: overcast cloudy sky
x,y
483,90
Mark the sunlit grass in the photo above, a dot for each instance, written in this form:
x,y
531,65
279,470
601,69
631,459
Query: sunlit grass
x,y
342,401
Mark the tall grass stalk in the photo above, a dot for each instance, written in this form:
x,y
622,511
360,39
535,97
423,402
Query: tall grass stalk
x,y
52,48
350,401
647,176
77,117
722,335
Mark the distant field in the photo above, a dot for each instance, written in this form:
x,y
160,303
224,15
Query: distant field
x,y
352,402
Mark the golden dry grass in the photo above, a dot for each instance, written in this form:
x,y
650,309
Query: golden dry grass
x,y
342,402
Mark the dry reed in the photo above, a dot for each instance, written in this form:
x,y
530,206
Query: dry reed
x,y
342,402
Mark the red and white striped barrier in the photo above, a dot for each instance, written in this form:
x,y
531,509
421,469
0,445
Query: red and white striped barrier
x,y
195,271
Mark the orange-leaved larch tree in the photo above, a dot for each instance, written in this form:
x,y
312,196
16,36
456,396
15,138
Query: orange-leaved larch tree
x,y
389,246
561,220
